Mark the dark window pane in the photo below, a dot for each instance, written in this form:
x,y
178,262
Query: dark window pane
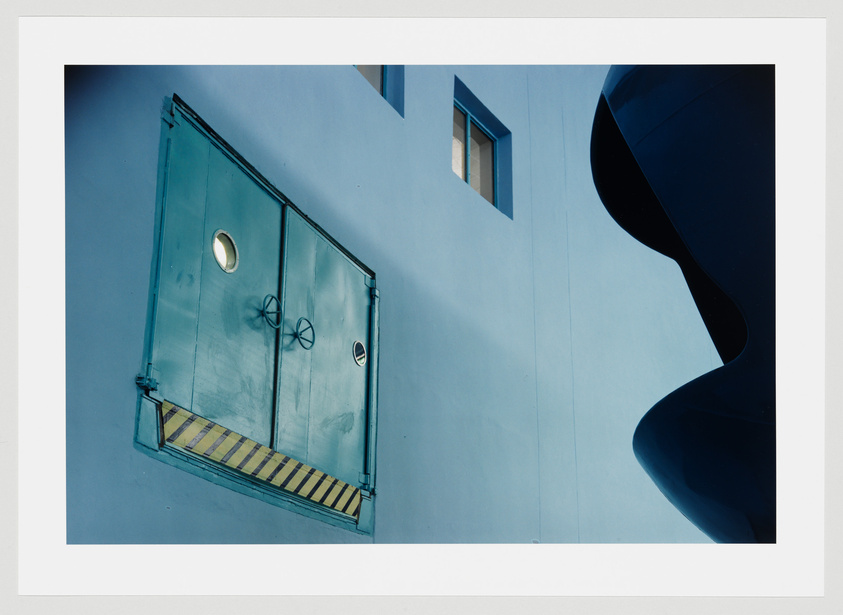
x,y
373,74
482,157
458,144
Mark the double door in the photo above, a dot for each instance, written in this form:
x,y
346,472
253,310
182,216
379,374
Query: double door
x,y
263,323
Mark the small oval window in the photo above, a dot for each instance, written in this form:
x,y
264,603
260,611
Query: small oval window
x,y
359,353
225,251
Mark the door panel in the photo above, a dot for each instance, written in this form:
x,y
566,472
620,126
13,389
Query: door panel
x,y
214,352
180,263
294,385
235,352
324,286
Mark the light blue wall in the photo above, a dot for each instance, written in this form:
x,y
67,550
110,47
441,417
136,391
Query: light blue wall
x,y
516,355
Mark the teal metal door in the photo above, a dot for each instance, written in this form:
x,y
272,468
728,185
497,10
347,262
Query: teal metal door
x,y
262,325
213,350
236,347
322,415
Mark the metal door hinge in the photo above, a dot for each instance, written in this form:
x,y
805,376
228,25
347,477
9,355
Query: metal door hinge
x,y
168,114
146,381
366,483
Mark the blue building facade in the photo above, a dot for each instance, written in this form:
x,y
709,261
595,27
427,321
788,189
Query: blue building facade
x,y
520,336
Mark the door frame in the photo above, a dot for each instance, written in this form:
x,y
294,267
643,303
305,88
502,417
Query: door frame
x,y
148,428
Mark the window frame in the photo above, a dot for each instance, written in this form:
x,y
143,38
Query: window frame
x,y
466,102
470,119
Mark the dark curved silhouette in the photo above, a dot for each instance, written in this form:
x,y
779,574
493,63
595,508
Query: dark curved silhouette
x,y
683,158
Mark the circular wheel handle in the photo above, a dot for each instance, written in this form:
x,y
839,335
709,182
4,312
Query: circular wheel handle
x,y
266,312
306,335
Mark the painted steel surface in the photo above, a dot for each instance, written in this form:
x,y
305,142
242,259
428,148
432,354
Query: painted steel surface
x,y
322,410
235,354
176,308
233,450
279,372
212,347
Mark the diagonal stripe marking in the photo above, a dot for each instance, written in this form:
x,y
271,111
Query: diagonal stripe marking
x,y
350,500
182,427
292,474
171,412
188,430
212,436
223,449
258,456
340,499
357,500
192,444
233,450
318,484
281,464
328,490
296,479
244,450
174,423
269,455
217,443
308,482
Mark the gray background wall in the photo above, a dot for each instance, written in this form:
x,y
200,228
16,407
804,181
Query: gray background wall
x,y
517,355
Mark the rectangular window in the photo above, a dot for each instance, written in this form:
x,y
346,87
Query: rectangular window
x,y
474,163
258,363
481,151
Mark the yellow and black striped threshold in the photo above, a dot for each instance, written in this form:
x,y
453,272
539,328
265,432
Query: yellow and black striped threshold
x,y
212,441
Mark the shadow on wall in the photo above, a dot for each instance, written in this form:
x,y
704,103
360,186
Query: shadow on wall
x,y
684,160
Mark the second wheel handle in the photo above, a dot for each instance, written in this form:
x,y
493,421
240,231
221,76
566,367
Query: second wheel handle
x,y
305,333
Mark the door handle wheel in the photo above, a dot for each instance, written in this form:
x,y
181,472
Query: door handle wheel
x,y
268,314
305,333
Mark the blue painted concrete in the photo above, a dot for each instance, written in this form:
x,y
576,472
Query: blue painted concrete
x,y
516,355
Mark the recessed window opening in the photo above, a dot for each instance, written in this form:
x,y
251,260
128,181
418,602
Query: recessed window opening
x,y
374,74
225,251
481,149
388,80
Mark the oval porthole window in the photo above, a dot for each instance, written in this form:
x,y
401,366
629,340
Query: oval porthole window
x,y
225,251
359,353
